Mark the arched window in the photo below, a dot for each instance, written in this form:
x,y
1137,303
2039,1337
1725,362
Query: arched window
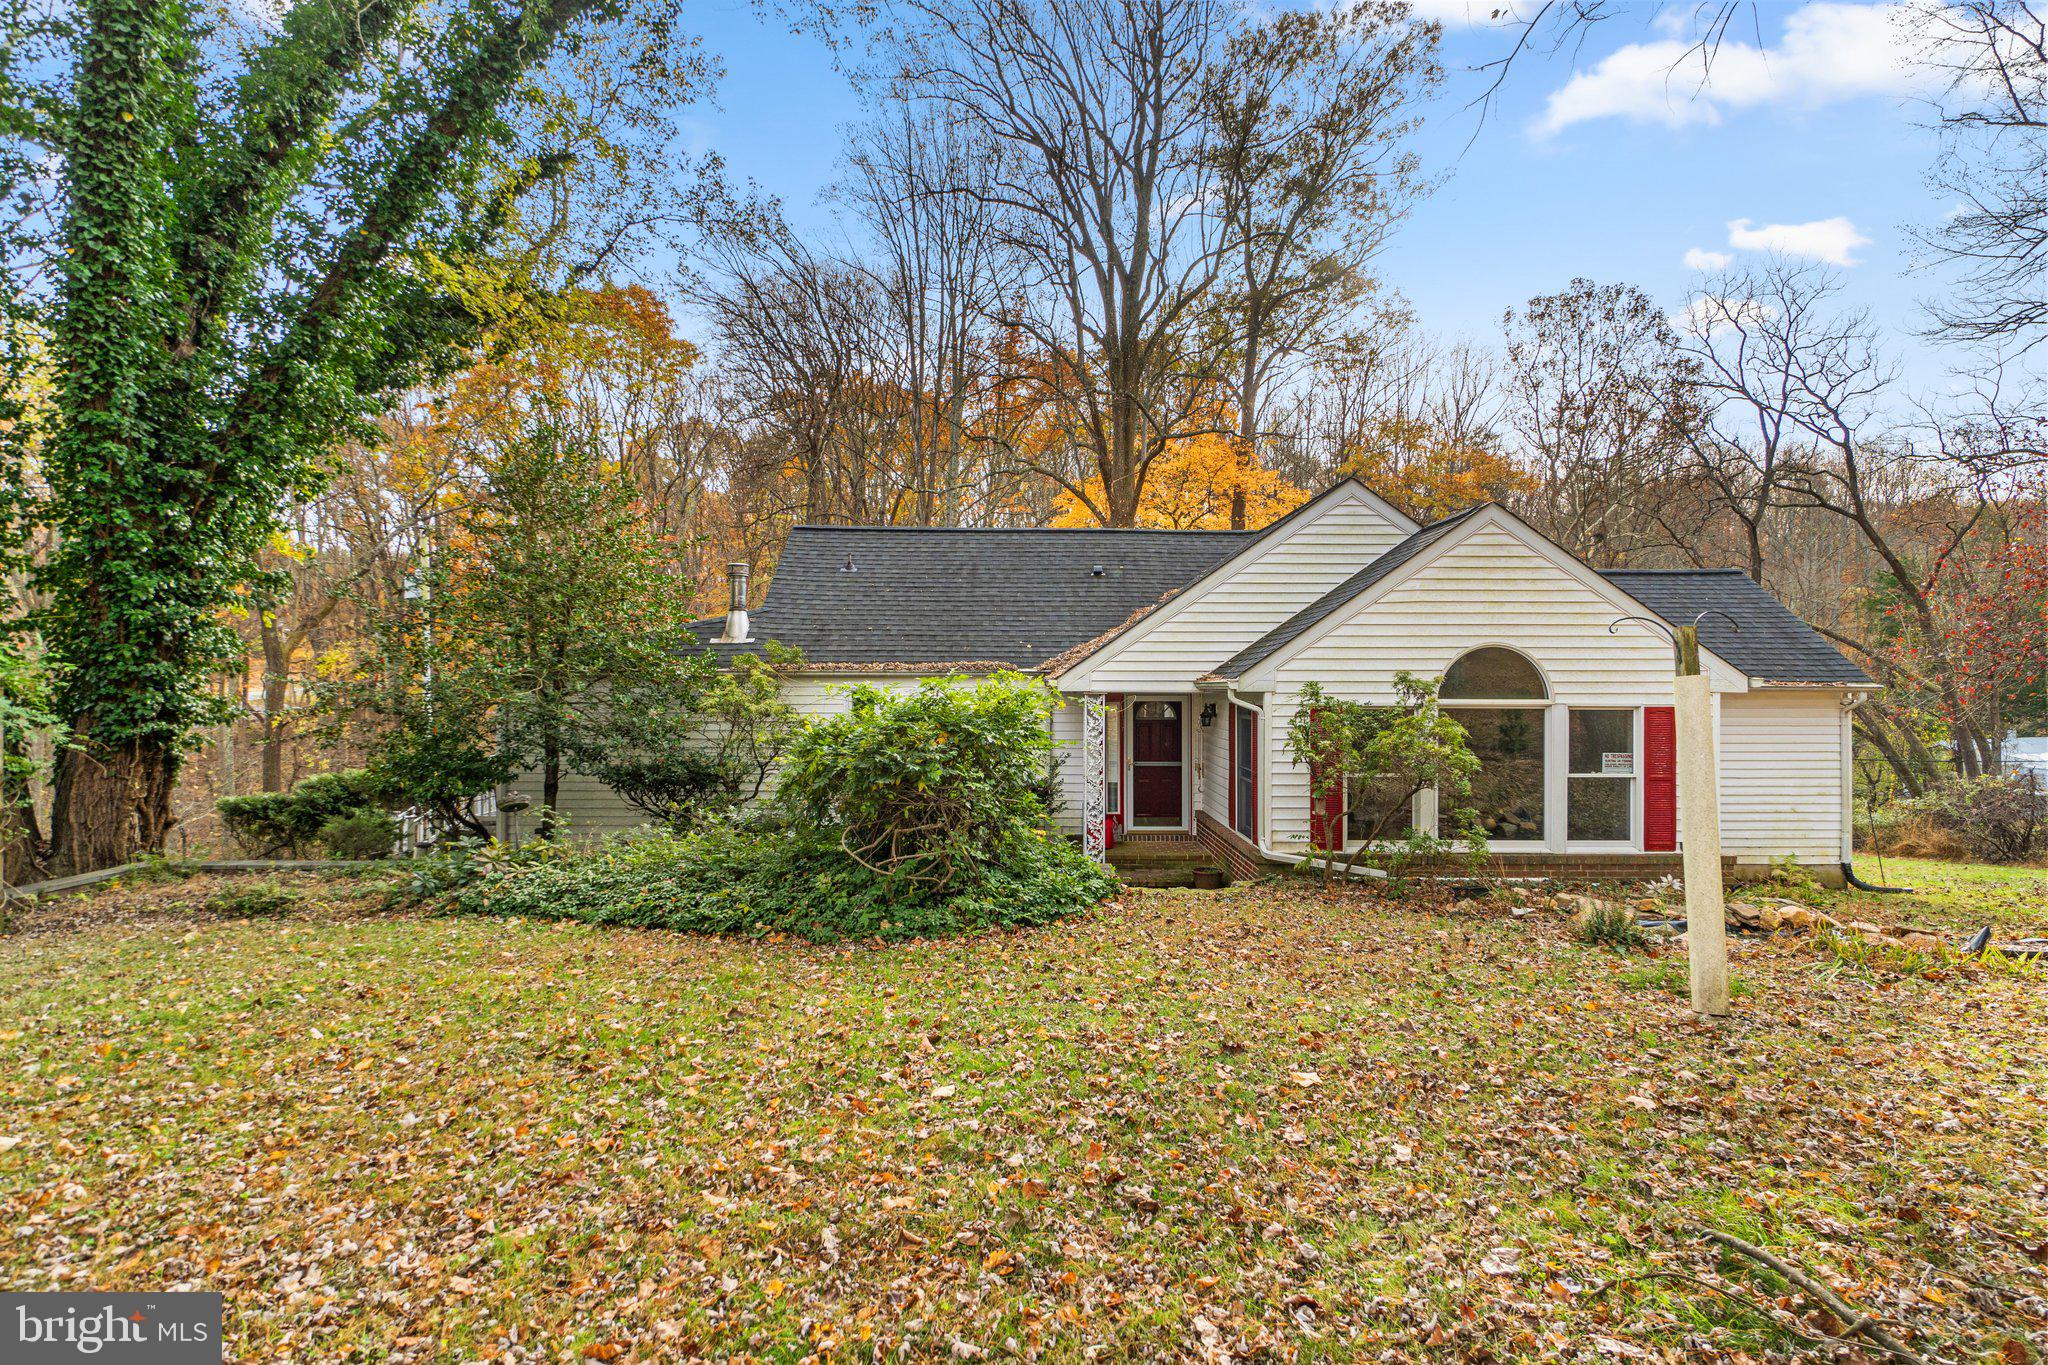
x,y
1498,696
1493,674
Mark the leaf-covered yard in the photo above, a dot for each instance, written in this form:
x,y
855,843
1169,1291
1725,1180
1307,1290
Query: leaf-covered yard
x,y
1191,1124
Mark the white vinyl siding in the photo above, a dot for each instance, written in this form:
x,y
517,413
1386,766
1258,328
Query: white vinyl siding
x,y
1298,565
1781,777
588,805
1212,747
1488,589
1066,751
592,808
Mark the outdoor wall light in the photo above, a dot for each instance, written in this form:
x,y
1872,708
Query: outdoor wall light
x,y
1208,715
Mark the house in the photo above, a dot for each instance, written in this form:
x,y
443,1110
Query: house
x,y
1180,656
2024,756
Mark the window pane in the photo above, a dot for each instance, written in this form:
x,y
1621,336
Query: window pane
x,y
1507,791
1493,674
1366,802
1603,742
1597,808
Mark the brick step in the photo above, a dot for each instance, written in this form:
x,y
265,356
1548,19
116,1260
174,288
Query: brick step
x,y
1140,856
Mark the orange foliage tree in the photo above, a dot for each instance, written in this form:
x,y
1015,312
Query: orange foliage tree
x,y
1192,486
1430,473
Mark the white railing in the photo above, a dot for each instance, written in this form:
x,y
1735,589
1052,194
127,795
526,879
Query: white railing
x,y
420,831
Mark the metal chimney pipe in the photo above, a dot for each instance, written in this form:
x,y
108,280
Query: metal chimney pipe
x,y
736,625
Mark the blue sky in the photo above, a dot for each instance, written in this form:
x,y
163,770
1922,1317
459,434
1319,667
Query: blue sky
x,y
1597,161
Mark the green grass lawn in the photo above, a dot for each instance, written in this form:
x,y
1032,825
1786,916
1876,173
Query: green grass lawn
x,y
1257,1121
2013,900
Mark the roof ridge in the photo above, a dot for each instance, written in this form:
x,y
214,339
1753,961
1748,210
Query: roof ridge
x,y
1719,568
1038,530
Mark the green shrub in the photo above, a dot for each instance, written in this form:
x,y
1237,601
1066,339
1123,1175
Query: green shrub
x,y
731,880
252,900
911,816
272,823
364,834
1611,926
925,786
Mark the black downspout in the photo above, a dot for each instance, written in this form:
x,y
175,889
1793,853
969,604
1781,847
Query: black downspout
x,y
1849,872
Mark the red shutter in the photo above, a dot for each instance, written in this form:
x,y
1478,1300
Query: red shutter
x,y
1325,816
1660,780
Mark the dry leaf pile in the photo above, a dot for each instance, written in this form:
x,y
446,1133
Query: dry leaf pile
x,y
1263,1123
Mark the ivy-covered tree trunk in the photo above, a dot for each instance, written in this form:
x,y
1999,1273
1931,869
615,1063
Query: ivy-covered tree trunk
x,y
210,350
114,781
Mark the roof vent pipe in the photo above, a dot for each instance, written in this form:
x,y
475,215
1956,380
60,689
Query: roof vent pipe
x,y
736,606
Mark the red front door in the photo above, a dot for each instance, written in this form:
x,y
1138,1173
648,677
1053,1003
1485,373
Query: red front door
x,y
1156,747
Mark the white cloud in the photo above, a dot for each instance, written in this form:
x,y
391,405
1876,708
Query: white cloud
x,y
1706,314
1697,259
1472,13
1828,52
1833,240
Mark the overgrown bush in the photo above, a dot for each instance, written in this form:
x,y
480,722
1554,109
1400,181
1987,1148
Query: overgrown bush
x,y
1382,757
696,745
913,815
363,834
1610,926
926,786
737,880
268,824
1998,819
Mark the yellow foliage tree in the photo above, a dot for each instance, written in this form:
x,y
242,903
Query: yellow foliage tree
x,y
1430,473
1191,487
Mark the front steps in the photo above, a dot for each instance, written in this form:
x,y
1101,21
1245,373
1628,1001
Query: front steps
x,y
1162,860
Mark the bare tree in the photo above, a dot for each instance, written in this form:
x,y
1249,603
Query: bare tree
x,y
1092,115
1596,392
1817,385
1993,120
917,188
1310,111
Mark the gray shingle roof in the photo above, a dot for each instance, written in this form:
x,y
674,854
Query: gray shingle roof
x,y
1773,645
1290,630
945,596
939,596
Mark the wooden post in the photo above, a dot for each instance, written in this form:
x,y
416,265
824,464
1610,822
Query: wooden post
x,y
1699,806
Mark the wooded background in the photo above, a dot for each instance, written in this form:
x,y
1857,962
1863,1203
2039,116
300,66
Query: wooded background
x,y
1096,262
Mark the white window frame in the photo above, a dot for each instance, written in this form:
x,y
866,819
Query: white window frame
x,y
1553,804
1634,842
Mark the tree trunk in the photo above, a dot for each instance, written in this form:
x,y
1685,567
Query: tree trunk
x,y
1247,419
112,805
276,685
1871,729
550,784
20,840
1120,474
